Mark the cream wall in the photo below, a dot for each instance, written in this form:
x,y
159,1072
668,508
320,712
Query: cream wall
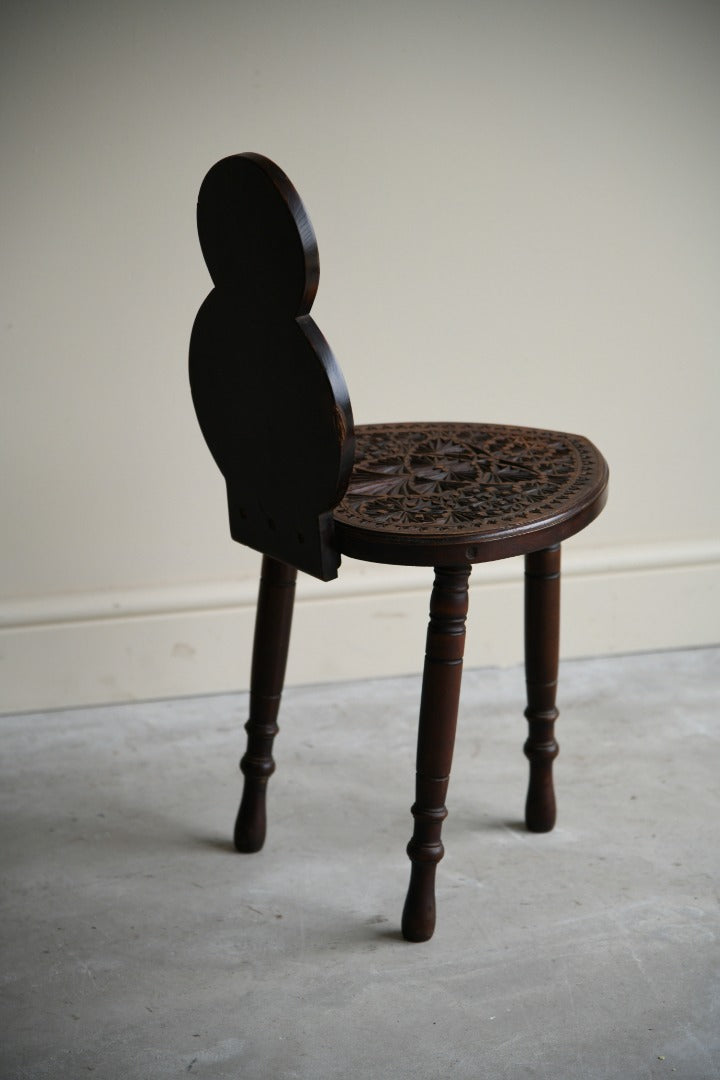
x,y
517,211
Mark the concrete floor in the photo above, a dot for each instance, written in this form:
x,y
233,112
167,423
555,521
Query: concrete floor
x,y
137,944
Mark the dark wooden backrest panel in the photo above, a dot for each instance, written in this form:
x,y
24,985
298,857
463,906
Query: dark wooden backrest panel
x,y
270,398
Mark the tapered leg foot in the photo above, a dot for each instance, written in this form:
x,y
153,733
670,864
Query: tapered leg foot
x,y
542,640
270,648
436,740
418,917
251,820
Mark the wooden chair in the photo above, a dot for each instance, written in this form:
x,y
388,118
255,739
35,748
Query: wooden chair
x,y
306,486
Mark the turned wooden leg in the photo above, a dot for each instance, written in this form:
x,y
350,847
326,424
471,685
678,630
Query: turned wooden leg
x,y
436,739
542,640
270,649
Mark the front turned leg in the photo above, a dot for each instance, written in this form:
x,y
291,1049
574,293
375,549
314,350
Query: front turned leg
x,y
542,641
270,648
436,739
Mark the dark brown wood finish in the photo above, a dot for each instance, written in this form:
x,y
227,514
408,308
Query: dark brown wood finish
x,y
270,398
542,643
436,740
305,487
270,649
438,494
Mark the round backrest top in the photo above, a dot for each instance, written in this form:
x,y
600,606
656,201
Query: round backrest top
x,y
256,236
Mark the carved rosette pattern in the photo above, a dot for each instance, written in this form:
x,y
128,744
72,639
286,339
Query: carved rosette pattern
x,y
456,478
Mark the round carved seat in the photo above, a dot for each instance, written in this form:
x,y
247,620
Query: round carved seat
x,y
432,494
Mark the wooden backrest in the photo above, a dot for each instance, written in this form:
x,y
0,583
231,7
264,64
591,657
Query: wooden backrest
x,y
270,398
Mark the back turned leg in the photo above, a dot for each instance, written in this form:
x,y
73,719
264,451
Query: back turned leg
x,y
270,649
542,641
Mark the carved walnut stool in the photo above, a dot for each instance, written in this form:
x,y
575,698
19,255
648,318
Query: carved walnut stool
x,y
306,486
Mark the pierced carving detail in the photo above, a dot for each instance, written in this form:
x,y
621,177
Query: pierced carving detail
x,y
455,478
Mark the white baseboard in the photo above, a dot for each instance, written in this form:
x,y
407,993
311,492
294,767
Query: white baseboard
x,y
57,652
